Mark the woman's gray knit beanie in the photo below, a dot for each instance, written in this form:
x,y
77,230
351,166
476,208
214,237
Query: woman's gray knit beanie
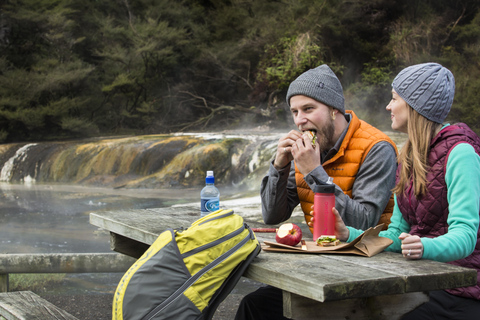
x,y
428,88
320,84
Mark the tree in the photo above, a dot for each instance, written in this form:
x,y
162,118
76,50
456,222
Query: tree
x,y
42,80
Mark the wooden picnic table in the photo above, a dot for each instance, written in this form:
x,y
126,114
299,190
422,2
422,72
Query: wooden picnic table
x,y
336,286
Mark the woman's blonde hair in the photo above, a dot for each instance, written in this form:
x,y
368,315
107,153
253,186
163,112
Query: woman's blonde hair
x,y
413,157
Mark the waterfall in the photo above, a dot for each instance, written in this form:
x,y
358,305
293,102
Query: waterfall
x,y
148,161
8,166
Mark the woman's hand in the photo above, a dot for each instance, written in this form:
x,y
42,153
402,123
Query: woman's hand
x,y
412,247
341,231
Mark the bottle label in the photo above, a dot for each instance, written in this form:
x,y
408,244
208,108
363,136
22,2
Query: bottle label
x,y
210,205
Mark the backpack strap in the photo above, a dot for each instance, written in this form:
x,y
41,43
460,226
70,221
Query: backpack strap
x,y
229,283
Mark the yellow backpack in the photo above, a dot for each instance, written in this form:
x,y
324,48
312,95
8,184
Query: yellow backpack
x,y
186,274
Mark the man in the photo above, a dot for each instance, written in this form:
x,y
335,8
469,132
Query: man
x,y
360,159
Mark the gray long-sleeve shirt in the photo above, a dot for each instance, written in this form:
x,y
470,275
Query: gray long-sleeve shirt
x,y
370,193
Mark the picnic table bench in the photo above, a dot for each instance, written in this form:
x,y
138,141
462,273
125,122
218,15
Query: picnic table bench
x,y
337,286
26,305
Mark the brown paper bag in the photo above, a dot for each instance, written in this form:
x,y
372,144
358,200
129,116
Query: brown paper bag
x,y
367,244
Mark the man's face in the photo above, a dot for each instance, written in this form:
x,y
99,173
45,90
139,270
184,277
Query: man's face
x,y
310,114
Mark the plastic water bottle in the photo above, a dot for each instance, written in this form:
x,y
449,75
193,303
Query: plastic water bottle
x,y
210,196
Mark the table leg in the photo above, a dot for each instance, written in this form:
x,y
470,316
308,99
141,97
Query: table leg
x,y
127,246
389,307
3,282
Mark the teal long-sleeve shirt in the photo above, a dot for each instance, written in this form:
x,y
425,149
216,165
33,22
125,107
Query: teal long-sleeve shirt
x,y
462,178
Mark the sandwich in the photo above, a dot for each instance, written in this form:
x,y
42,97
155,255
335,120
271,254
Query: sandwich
x,y
327,241
312,135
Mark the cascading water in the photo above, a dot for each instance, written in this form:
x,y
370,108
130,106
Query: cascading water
x,y
147,162
7,168
153,161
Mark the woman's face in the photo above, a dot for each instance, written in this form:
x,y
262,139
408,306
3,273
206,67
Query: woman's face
x,y
398,112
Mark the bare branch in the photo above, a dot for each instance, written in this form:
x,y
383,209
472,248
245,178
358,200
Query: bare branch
x,y
214,111
220,64
130,16
454,25
205,104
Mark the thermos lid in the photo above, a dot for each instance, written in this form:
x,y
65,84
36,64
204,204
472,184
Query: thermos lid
x,y
324,188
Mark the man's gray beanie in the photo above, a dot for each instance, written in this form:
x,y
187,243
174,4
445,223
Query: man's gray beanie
x,y
428,88
320,84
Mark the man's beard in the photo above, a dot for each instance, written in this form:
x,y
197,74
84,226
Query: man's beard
x,y
326,136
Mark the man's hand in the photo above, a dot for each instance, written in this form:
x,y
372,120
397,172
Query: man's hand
x,y
284,149
306,156
412,246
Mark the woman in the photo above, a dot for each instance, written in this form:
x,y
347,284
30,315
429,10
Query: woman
x,y
437,191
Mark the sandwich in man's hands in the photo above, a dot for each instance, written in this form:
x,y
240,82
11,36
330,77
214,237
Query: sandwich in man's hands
x,y
312,135
327,241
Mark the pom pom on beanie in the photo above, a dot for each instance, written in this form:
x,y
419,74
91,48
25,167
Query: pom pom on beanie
x,y
320,84
428,88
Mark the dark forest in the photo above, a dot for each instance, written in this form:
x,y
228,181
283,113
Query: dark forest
x,y
74,69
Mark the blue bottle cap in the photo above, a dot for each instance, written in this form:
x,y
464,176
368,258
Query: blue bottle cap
x,y
209,180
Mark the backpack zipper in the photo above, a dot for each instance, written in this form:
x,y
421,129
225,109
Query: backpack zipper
x,y
213,243
226,214
200,222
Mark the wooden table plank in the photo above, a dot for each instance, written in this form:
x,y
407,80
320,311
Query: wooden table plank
x,y
321,278
145,225
387,307
419,275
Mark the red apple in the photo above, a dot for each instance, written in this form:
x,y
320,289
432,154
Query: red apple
x,y
289,234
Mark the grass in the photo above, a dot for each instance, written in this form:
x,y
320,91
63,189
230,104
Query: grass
x,y
35,282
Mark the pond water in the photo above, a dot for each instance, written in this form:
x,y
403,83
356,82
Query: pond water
x,y
55,219
48,218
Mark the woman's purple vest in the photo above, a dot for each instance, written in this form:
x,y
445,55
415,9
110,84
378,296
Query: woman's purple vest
x,y
427,216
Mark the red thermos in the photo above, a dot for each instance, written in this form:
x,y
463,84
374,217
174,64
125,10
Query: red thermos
x,y
323,202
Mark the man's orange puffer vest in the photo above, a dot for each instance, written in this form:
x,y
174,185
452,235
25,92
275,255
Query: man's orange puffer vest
x,y
344,165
